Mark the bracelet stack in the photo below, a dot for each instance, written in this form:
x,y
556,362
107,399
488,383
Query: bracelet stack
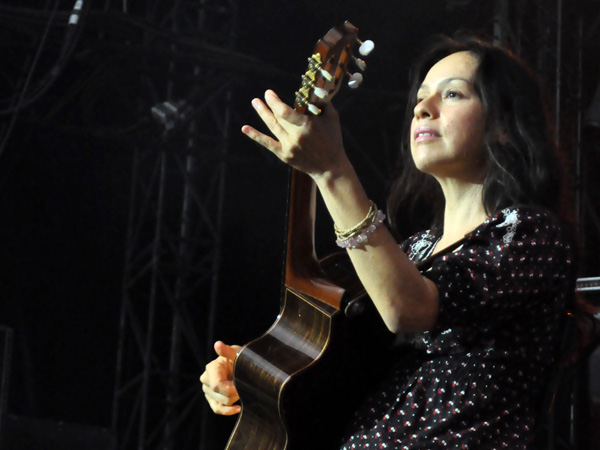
x,y
359,234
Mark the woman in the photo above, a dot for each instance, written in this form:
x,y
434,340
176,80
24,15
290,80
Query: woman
x,y
485,316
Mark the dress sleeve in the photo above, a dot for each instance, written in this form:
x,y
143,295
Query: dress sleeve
x,y
520,265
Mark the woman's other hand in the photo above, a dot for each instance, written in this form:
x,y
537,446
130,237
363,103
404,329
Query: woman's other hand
x,y
217,381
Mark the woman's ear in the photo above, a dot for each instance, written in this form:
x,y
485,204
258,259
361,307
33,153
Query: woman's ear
x,y
501,136
502,139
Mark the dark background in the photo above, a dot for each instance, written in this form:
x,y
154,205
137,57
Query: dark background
x,y
66,159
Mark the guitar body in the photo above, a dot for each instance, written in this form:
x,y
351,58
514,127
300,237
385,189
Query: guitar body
x,y
275,414
299,383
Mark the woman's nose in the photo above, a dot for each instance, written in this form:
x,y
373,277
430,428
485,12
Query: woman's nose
x,y
424,108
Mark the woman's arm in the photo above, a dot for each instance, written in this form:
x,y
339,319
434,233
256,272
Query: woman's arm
x,y
407,301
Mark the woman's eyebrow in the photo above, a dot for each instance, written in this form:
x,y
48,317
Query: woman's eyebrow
x,y
446,81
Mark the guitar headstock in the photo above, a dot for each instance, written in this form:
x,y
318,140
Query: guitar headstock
x,y
328,66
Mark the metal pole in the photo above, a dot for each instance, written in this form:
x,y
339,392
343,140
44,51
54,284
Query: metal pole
x,y
559,17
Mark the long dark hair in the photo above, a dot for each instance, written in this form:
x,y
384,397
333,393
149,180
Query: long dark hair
x,y
521,157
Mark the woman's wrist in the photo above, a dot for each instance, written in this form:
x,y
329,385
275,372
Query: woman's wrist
x,y
341,172
344,195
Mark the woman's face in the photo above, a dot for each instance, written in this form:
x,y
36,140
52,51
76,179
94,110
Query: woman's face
x,y
447,129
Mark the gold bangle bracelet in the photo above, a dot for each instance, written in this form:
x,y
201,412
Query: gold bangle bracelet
x,y
358,228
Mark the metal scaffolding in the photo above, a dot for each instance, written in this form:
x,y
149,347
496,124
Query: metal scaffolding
x,y
173,247
174,240
561,39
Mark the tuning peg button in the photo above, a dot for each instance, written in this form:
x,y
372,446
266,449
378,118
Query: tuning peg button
x,y
355,80
366,47
360,64
326,75
314,109
320,92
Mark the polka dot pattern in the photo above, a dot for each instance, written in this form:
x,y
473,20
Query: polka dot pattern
x,y
475,380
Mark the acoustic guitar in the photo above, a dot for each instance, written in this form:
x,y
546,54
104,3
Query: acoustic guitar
x,y
299,381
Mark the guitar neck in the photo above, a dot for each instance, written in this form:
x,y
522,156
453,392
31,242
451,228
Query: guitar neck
x,y
327,67
303,272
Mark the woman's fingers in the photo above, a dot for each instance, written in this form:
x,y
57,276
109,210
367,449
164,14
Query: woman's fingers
x,y
262,139
282,120
221,409
224,393
218,387
218,376
285,124
269,118
228,351
217,380
311,145
284,113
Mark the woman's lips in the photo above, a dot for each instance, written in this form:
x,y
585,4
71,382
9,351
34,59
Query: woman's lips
x,y
425,134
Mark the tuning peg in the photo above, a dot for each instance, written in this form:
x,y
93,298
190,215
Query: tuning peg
x,y
315,64
314,109
326,75
320,92
360,63
355,80
366,47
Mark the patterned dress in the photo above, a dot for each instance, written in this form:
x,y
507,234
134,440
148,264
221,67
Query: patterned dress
x,y
474,382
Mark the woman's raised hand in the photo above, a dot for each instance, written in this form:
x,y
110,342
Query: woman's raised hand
x,y
217,381
311,144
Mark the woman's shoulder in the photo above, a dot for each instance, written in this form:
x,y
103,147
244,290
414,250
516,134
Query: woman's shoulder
x,y
519,230
521,223
419,245
505,223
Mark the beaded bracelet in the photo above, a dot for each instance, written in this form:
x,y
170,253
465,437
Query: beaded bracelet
x,y
359,235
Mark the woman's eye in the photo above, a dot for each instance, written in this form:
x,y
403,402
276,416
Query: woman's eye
x,y
453,94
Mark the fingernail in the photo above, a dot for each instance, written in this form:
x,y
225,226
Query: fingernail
x,y
255,103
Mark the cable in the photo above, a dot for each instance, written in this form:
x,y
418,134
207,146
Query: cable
x,y
69,43
28,79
